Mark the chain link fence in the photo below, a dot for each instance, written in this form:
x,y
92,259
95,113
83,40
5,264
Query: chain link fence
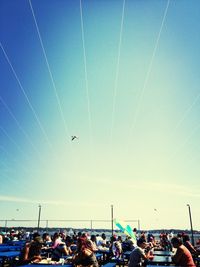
x,y
66,224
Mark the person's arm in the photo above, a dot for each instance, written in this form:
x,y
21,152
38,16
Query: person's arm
x,y
26,252
55,244
26,255
70,251
191,248
176,258
93,246
36,258
145,256
65,250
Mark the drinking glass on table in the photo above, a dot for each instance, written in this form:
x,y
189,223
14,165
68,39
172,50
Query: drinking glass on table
x,y
62,261
48,260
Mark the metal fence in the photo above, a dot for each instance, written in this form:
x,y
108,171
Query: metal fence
x,y
56,223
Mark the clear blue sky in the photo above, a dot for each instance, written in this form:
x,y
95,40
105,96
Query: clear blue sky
x,y
125,80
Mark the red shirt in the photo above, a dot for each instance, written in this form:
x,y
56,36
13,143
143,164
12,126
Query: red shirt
x,y
183,257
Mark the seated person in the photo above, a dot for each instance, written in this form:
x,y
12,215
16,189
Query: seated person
x,y
165,243
85,255
93,241
138,254
183,256
59,248
116,247
56,240
102,243
128,244
188,245
47,243
151,240
197,247
198,242
47,239
32,251
69,244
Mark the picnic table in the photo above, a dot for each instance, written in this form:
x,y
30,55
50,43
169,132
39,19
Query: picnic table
x,y
162,253
127,254
99,256
45,265
105,253
8,255
163,260
9,248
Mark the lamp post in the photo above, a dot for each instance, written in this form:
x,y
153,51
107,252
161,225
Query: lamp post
x,y
6,222
190,216
47,224
91,227
39,217
139,225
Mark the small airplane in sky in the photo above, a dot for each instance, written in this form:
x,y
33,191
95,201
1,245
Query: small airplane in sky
x,y
74,137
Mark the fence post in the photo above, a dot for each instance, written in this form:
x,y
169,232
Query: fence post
x,y
112,219
6,225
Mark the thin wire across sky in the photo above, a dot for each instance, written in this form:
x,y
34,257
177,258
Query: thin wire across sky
x,y
99,41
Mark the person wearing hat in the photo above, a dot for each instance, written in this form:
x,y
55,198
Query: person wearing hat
x,y
138,254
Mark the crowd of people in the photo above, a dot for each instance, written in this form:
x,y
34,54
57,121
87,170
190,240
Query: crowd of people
x,y
82,248
184,252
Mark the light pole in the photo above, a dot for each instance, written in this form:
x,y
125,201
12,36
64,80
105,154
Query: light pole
x,y
112,219
39,217
6,222
91,225
47,224
139,225
190,216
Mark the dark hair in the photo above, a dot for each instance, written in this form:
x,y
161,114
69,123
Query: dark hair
x,y
103,236
38,241
45,235
36,234
113,238
68,241
141,241
176,240
84,235
55,236
93,238
186,238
